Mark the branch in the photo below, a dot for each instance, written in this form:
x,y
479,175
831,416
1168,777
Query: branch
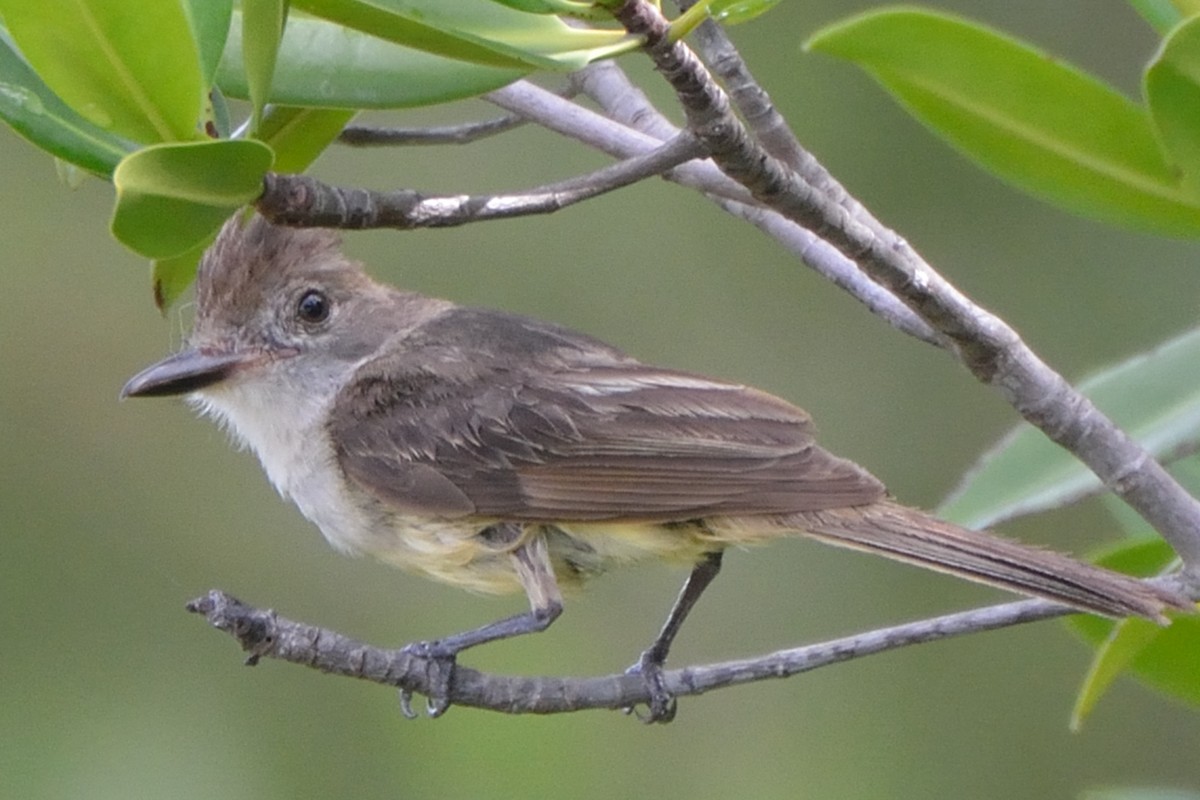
x,y
303,201
636,126
986,345
262,633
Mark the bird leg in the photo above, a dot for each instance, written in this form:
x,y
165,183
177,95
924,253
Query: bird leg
x,y
650,664
531,560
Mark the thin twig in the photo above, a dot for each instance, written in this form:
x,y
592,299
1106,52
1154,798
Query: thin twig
x,y
376,136
986,345
636,126
262,633
303,201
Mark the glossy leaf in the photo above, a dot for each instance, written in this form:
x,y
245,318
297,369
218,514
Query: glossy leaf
x,y
1161,657
478,31
262,27
321,64
1172,88
734,12
37,114
299,135
170,197
1038,123
131,68
1154,396
210,28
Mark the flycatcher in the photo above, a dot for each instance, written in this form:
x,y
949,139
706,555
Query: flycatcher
x,y
499,453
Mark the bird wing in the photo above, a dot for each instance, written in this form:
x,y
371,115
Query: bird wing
x,y
578,435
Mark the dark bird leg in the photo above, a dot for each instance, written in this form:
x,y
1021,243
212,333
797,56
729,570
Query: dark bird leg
x,y
531,559
650,664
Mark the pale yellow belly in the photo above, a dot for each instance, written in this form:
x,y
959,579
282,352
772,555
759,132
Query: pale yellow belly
x,y
455,553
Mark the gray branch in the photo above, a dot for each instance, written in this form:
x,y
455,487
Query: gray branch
x,y
986,345
635,126
303,201
264,634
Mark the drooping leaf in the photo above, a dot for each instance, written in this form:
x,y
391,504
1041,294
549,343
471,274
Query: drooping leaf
x,y
1036,122
131,68
262,28
170,197
1114,654
1172,88
321,64
299,135
37,114
210,28
170,277
479,31
1154,396
1163,658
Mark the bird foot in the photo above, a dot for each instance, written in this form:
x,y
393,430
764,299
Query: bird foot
x,y
661,707
440,669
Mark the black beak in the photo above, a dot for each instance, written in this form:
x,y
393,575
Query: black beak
x,y
186,371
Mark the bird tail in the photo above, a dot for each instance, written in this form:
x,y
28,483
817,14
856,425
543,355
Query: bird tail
x,y
906,534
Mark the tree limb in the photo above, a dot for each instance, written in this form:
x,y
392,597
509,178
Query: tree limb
x,y
262,633
986,345
303,201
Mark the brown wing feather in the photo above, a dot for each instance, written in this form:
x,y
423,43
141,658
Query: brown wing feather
x,y
577,432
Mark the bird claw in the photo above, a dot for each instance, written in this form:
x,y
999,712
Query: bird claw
x,y
440,669
662,706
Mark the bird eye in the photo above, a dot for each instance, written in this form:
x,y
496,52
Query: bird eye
x,y
313,307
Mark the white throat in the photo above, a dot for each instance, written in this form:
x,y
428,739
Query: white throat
x,y
280,413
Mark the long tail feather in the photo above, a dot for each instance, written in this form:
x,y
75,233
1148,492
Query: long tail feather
x,y
905,534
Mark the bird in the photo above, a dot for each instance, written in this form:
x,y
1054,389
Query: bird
x,y
500,453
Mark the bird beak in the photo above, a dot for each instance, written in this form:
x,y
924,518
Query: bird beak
x,y
187,371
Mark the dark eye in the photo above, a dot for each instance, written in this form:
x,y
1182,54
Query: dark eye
x,y
313,307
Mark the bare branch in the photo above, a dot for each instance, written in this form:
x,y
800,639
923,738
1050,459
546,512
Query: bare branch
x,y
986,345
636,127
265,634
303,201
374,136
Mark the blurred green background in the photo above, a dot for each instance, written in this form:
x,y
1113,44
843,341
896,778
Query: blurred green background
x,y
113,515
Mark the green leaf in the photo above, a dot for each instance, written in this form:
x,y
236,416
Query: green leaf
x,y
567,8
1161,14
128,67
170,197
735,12
299,135
1163,658
1172,88
37,114
478,31
1154,396
1139,793
1124,642
172,276
321,64
262,27
1038,123
210,28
